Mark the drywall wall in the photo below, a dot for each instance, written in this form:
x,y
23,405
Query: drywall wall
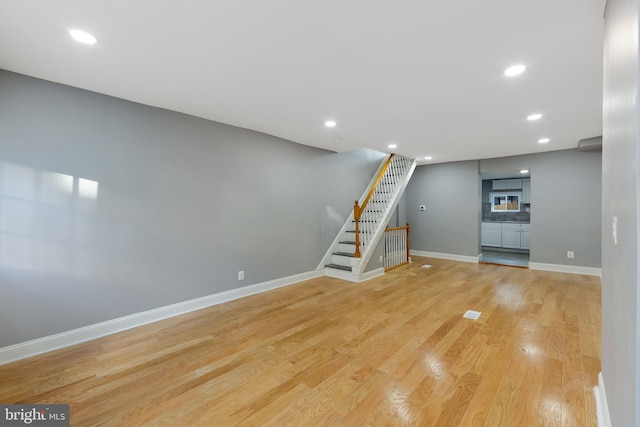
x,y
109,208
451,193
566,204
620,356
374,262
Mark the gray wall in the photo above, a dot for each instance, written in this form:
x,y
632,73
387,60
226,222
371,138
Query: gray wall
x,y
374,262
620,198
451,193
182,205
566,204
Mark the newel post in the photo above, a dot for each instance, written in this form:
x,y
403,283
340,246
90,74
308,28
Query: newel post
x,y
356,216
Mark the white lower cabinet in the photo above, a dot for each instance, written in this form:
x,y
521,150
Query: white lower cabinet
x,y
511,236
525,240
491,234
505,235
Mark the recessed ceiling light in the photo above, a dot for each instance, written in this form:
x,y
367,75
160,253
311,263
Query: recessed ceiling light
x,y
514,70
543,140
428,158
330,124
536,116
524,171
337,139
392,146
82,36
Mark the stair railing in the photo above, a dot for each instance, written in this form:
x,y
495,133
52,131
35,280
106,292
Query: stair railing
x,y
358,210
396,247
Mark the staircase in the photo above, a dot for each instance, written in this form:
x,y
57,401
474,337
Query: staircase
x,y
357,240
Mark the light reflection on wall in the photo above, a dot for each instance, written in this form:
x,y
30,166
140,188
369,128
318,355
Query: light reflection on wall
x,y
87,188
46,220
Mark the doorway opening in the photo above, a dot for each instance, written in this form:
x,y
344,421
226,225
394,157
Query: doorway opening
x,y
505,225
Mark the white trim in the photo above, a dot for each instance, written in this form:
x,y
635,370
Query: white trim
x,y
87,333
453,257
559,268
340,274
352,277
602,408
371,274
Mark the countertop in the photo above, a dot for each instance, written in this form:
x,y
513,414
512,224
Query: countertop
x,y
507,222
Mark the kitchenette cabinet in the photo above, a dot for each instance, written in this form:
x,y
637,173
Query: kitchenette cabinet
x,y
525,236
505,235
491,234
511,236
507,184
516,236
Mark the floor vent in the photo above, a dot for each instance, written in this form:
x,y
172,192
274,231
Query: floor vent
x,y
473,315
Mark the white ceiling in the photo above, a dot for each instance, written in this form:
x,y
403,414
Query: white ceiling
x,y
426,75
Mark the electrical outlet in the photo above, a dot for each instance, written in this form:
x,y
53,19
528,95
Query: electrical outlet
x,y
241,275
569,254
380,258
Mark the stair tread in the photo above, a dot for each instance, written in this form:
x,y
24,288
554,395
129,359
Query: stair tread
x,y
350,255
339,267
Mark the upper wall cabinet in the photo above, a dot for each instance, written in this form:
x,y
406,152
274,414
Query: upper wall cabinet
x,y
499,184
507,184
514,184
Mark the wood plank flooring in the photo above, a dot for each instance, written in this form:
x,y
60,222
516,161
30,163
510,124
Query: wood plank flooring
x,y
390,351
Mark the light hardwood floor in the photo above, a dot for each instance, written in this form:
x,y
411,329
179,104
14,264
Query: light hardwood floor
x,y
390,351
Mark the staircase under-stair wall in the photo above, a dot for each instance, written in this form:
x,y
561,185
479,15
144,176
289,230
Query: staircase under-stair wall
x,y
351,251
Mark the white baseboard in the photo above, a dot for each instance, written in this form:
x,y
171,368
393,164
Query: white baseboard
x,y
559,268
453,257
87,333
351,277
371,274
602,408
